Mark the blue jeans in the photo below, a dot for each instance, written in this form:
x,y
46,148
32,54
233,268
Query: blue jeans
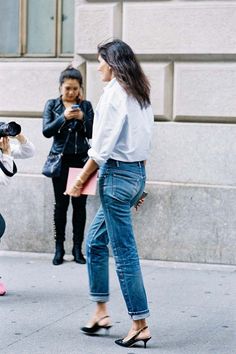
x,y
120,185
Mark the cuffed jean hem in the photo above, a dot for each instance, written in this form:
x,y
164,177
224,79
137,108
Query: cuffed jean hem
x,y
139,316
98,298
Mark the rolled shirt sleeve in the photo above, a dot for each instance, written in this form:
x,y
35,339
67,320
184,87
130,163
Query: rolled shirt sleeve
x,y
22,151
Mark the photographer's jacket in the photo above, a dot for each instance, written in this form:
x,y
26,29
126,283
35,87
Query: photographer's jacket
x,y
55,125
18,151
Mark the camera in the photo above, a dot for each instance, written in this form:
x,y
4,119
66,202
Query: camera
x,y
9,129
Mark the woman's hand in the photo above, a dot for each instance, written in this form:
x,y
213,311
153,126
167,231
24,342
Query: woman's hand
x,y
21,138
73,114
139,203
89,168
141,200
75,190
5,145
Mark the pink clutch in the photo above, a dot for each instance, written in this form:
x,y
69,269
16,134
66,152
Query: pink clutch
x,y
89,187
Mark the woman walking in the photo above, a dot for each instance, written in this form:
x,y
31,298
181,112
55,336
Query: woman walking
x,y
120,146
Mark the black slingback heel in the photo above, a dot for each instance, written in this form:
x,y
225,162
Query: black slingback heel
x,y
134,339
96,327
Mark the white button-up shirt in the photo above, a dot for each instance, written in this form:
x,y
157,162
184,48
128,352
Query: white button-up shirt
x,y
18,151
121,130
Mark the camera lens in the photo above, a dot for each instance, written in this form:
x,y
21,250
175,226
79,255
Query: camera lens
x,y
9,129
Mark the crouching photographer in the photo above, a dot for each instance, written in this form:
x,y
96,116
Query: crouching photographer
x,y
19,147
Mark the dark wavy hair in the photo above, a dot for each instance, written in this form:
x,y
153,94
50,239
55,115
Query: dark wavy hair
x,y
71,73
127,70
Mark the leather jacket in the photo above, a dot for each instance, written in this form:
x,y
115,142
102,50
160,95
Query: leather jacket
x,y
55,125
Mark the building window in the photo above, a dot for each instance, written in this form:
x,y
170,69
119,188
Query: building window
x,y
36,28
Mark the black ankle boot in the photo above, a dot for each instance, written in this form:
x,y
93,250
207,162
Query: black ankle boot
x,y
59,254
78,255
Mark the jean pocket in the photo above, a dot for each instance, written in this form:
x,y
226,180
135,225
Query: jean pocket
x,y
125,186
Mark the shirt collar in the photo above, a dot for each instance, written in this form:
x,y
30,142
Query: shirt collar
x,y
110,84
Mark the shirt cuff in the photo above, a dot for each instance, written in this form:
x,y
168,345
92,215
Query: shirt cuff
x,y
95,156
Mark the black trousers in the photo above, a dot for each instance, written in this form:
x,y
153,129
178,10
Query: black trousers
x,y
62,202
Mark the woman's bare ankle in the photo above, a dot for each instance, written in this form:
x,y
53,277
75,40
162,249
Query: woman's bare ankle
x,y
100,315
138,324
101,310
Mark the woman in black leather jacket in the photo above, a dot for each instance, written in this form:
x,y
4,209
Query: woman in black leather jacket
x,y
70,129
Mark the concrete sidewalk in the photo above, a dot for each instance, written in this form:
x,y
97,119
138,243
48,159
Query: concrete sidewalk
x,y
193,308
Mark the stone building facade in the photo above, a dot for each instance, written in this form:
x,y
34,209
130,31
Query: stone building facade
x,y
188,50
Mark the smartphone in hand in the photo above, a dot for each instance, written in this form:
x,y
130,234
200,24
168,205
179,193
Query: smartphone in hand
x,y
144,194
75,107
